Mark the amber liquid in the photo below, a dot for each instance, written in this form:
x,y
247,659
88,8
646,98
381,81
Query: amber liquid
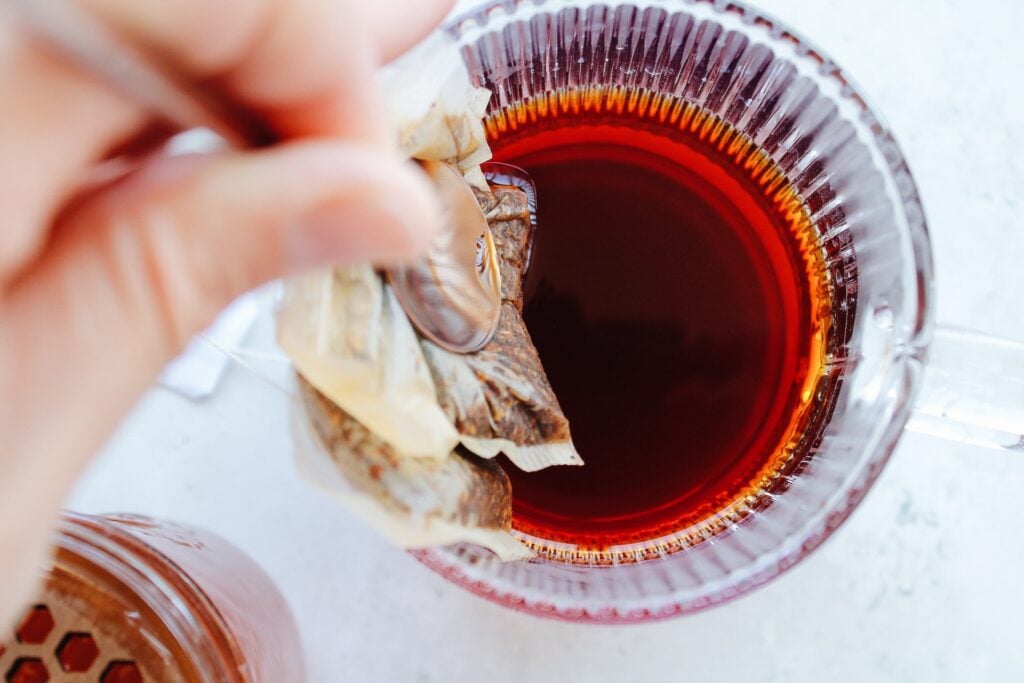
x,y
679,301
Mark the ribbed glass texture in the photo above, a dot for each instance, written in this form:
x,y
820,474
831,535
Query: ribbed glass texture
x,y
806,114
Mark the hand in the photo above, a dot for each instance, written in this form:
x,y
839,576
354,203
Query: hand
x,y
99,289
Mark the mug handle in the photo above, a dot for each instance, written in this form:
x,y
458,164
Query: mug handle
x,y
973,390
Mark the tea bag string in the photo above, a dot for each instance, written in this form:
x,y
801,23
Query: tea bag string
x,y
243,357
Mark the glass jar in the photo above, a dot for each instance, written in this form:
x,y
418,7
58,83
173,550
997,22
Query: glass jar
x,y
128,598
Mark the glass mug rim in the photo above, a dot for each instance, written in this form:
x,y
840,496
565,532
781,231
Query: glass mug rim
x,y
913,223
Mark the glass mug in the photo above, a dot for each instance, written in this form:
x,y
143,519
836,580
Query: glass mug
x,y
801,109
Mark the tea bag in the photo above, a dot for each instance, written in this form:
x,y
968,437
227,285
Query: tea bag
x,y
499,398
389,409
343,329
437,113
414,502
346,333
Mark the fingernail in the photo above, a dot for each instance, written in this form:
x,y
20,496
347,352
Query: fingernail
x,y
367,228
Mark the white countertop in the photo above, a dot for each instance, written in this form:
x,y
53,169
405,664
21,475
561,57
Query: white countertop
x,y
923,582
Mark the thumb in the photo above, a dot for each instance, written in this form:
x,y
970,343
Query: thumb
x,y
208,228
132,272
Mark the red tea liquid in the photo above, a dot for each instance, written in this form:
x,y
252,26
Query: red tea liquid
x,y
678,299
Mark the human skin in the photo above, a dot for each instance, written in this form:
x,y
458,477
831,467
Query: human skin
x,y
102,282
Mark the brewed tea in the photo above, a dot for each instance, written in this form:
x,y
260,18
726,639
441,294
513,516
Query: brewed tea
x,y
680,302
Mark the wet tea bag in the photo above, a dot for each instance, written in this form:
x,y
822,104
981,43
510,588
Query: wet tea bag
x,y
386,420
499,398
414,502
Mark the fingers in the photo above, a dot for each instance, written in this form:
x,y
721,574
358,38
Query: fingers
x,y
92,309
397,25
135,271
307,65
54,124
209,37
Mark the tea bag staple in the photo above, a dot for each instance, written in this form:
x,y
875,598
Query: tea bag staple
x,y
389,422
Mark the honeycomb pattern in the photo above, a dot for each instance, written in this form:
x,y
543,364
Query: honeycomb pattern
x,y
40,646
121,672
35,625
28,670
77,652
